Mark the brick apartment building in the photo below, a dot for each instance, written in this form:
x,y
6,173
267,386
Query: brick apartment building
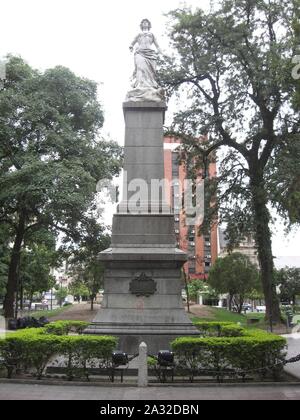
x,y
202,250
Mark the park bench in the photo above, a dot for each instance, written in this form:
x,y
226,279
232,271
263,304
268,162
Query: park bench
x,y
252,321
41,307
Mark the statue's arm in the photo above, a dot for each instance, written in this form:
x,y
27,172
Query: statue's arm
x,y
156,45
134,42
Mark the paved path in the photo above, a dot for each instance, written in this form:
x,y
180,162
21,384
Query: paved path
x,y
46,392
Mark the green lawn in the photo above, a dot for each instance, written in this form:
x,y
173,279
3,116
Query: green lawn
x,y
47,314
223,315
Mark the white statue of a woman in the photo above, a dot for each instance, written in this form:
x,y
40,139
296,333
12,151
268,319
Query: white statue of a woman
x,y
144,81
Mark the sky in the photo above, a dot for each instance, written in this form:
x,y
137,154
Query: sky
x,y
92,38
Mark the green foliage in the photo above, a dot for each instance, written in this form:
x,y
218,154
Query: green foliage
x,y
152,362
221,315
232,331
84,352
235,275
33,348
85,268
196,286
79,289
284,179
288,279
37,260
254,353
231,70
65,327
296,29
51,155
225,329
28,348
61,293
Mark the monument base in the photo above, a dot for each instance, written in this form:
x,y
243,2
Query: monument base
x,y
142,300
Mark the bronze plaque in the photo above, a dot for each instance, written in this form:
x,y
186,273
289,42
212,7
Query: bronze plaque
x,y
143,286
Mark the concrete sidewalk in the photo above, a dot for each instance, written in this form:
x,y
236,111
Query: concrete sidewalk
x,y
54,392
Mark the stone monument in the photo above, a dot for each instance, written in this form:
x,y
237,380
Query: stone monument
x,y
142,282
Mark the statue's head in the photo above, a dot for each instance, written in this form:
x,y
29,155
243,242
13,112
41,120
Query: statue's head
x,y
146,24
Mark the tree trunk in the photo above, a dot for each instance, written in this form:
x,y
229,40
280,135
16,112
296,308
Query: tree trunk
x,y
264,248
30,300
12,283
241,305
21,295
230,302
92,302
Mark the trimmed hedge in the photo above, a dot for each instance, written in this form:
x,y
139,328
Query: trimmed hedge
x,y
32,349
65,327
215,328
238,352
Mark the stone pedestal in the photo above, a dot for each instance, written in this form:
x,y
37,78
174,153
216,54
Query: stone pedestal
x,y
142,283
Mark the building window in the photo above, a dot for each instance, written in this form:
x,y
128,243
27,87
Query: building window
x,y
192,270
175,165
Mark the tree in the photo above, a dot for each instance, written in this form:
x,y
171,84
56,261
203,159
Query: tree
x,y
285,179
79,290
4,258
288,280
296,61
234,275
233,67
37,259
60,294
51,155
85,267
199,286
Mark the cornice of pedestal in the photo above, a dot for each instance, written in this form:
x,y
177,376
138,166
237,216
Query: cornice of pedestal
x,y
147,105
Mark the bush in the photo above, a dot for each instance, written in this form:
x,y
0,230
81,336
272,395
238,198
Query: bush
x,y
27,349
152,362
232,331
33,349
212,328
65,327
238,353
85,352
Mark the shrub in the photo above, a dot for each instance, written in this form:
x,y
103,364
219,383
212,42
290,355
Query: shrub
x,y
232,331
33,348
65,327
84,352
255,352
27,349
152,362
212,328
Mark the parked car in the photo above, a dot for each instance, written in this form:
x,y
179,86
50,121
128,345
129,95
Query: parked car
x,y
261,309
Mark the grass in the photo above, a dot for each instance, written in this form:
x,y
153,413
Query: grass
x,y
223,315
46,314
